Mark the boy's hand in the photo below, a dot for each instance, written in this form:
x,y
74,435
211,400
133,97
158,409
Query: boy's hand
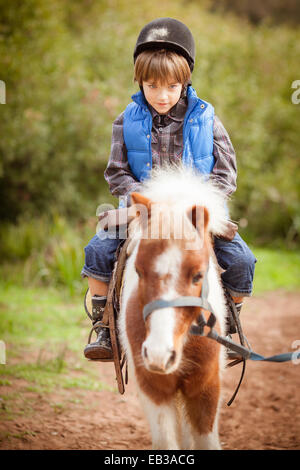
x,y
114,218
229,232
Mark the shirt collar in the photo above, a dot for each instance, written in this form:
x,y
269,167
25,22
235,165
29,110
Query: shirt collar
x,y
176,113
190,100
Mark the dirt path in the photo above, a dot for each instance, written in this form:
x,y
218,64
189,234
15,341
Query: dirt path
x,y
265,414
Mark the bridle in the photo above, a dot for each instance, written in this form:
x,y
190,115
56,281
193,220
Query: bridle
x,y
198,329
190,301
182,301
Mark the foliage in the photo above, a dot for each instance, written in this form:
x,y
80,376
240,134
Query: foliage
x,y
48,253
68,73
55,257
271,11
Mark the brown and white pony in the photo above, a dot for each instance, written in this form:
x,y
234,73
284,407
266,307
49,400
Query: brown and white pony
x,y
177,374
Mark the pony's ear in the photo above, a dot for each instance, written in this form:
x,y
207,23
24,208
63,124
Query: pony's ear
x,y
137,200
199,217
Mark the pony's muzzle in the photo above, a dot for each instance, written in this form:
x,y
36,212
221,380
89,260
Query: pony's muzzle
x,y
161,364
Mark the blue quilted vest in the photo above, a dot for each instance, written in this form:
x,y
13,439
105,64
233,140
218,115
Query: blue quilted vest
x,y
197,135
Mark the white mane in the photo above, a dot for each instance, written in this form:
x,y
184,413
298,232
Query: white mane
x,y
180,187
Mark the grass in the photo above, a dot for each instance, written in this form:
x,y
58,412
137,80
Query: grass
x,y
44,332
276,269
38,317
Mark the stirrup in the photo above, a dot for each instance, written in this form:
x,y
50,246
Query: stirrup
x,y
87,302
243,341
95,328
88,306
96,325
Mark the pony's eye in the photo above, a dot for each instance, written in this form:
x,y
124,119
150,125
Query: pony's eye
x,y
197,278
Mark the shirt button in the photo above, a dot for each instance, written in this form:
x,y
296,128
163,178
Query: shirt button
x,y
160,129
148,164
202,106
164,149
191,120
148,136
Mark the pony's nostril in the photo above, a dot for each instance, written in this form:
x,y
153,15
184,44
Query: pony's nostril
x,y
145,353
171,359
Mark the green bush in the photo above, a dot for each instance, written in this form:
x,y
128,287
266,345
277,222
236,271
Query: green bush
x,y
55,126
68,73
272,11
45,251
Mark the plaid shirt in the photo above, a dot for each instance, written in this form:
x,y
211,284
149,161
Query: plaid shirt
x,y
167,144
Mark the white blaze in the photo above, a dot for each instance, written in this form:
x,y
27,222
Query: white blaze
x,y
160,341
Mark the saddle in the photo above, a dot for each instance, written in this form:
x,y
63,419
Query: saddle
x,y
118,220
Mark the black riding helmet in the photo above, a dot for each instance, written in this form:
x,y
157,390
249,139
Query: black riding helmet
x,y
167,33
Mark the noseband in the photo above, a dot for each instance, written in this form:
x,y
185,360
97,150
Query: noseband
x,y
187,301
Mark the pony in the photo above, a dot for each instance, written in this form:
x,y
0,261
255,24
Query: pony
x,y
177,374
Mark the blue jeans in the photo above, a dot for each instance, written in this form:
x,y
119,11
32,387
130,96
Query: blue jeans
x,y
238,261
234,257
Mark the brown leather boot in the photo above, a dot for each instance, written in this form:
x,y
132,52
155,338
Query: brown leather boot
x,y
99,350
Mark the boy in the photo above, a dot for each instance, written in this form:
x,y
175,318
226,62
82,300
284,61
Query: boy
x,y
165,122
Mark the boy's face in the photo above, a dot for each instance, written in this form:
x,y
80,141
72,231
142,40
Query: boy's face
x,y
162,96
